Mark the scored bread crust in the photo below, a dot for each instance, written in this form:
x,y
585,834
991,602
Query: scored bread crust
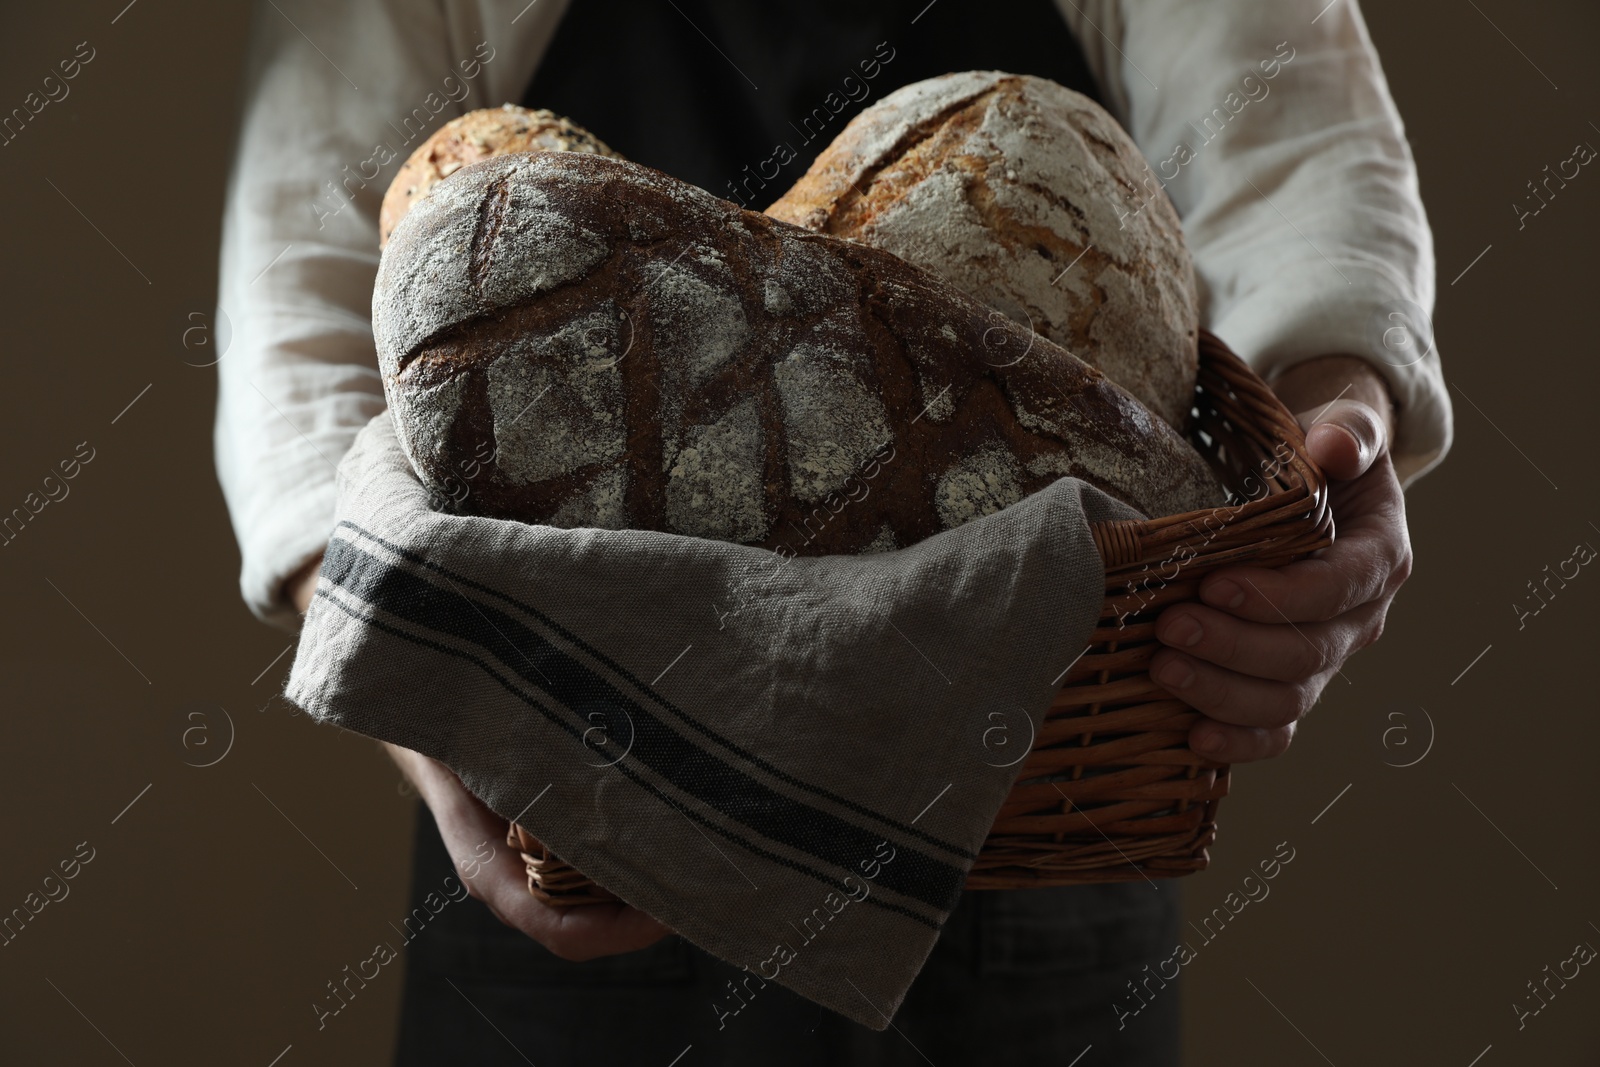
x,y
478,135
1027,196
574,340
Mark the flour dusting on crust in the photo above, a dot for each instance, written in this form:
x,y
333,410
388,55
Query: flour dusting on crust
x,y
423,418
602,505
834,424
532,248
557,400
885,541
978,485
699,324
714,488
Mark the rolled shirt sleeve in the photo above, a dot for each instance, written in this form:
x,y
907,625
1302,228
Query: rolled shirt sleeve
x,y
336,96
1270,125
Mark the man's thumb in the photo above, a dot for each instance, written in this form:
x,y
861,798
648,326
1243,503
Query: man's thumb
x,y
1344,438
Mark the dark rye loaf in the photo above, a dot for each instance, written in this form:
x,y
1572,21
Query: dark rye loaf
x,y
574,340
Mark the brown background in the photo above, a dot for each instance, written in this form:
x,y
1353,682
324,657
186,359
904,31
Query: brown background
x,y
1402,932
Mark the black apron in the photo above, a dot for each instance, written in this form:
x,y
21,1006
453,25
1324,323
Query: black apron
x,y
643,76
707,91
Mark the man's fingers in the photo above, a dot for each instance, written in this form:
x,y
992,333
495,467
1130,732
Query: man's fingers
x,y
1365,562
501,882
1231,697
1344,437
1310,590
1339,452
573,933
1370,557
1273,651
602,930
587,931
1239,744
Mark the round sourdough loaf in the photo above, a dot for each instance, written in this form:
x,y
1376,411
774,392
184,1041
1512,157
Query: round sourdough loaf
x,y
1025,195
575,340
478,135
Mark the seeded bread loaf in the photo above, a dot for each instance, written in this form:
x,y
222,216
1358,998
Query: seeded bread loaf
x,y
575,340
1031,198
478,135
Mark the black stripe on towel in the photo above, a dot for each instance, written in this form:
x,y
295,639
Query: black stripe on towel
x,y
670,755
692,723
638,779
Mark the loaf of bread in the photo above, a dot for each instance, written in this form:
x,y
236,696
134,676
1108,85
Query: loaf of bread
x,y
478,135
575,340
1027,196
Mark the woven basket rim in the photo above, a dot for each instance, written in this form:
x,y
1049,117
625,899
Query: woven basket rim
x,y
1299,486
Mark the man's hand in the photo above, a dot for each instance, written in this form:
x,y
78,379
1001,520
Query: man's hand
x,y
574,933
1256,659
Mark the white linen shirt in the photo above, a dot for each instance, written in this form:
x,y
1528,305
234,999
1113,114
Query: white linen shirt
x,y
1269,125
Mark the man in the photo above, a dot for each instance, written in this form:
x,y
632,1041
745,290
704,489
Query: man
x,y
1270,126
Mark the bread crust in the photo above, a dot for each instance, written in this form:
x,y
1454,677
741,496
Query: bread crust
x,y
478,135
1026,196
575,340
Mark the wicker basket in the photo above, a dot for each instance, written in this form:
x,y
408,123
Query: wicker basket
x,y
1110,790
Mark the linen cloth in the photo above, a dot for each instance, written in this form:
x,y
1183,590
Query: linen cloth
x,y
1299,198
790,763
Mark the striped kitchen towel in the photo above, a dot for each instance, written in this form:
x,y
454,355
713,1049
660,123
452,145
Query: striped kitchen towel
x,y
738,744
